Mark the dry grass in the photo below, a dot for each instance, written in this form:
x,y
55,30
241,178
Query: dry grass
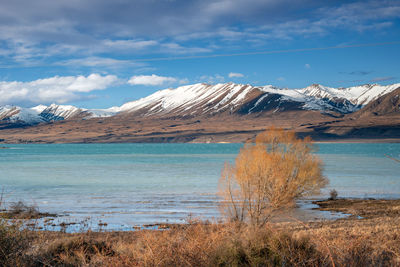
x,y
373,241
193,245
13,244
369,242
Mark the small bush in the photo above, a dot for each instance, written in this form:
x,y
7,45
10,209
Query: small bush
x,y
333,194
296,251
19,210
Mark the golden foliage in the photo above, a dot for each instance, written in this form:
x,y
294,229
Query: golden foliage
x,y
269,175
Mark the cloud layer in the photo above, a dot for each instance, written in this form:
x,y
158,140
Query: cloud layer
x,y
101,29
134,37
151,80
53,90
235,75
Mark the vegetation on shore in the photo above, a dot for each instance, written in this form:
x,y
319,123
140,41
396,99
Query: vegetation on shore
x,y
19,210
371,241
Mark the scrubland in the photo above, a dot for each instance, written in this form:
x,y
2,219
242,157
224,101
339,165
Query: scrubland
x,y
370,237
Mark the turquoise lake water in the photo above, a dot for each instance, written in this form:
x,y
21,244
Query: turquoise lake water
x,y
134,184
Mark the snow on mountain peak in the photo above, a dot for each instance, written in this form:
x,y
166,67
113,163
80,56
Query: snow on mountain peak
x,y
188,98
204,98
17,114
42,113
39,108
60,112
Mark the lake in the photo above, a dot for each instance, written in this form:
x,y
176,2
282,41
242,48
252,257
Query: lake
x,y
126,185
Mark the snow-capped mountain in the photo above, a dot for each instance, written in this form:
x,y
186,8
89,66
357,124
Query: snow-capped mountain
x,y
42,113
191,100
207,100
64,112
350,99
203,99
386,105
25,115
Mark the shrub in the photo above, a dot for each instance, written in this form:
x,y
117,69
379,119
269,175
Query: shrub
x,y
333,194
20,210
268,176
265,247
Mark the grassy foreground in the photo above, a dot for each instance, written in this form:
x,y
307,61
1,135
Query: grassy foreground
x,y
373,240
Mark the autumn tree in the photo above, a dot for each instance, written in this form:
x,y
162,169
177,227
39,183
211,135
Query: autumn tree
x,y
269,174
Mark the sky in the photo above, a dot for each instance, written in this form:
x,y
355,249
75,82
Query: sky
x,y
102,53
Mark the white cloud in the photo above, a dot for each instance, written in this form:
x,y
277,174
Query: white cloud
x,y
129,44
55,89
175,48
151,80
382,79
212,79
307,66
235,75
281,79
184,81
100,62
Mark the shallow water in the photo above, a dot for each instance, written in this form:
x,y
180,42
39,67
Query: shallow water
x,y
134,184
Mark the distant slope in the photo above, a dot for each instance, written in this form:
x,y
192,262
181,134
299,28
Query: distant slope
x,y
388,104
378,119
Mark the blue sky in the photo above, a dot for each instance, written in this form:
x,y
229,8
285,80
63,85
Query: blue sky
x,y
101,53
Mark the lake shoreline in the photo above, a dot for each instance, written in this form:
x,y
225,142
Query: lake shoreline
x,y
317,141
345,209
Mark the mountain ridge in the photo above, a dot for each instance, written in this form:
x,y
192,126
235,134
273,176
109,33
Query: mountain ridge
x,y
218,113
205,99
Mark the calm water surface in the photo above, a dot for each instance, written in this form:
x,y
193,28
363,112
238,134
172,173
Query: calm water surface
x,y
134,184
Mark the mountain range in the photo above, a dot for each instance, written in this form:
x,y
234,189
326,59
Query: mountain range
x,y
214,113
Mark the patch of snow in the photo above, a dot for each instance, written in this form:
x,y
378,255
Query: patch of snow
x,y
258,102
39,108
100,113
